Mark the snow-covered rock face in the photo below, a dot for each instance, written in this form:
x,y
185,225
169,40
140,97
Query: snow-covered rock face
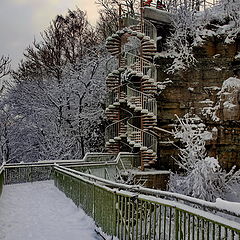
x,y
230,98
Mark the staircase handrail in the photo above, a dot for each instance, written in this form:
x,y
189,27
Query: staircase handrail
x,y
115,91
115,124
143,59
144,133
147,66
149,29
145,99
115,58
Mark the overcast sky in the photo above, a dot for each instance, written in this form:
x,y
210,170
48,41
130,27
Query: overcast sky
x,y
22,20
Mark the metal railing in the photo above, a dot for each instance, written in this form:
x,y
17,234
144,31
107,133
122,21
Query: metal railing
x,y
133,215
131,20
117,129
127,212
116,94
137,135
141,65
22,173
105,165
99,157
172,5
140,99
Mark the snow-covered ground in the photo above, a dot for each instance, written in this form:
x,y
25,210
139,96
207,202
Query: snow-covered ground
x,y
39,211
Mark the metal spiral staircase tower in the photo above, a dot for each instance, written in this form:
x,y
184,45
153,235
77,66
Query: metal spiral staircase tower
x,y
131,84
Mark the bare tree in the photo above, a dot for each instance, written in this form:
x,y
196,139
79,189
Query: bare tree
x,y
109,14
56,103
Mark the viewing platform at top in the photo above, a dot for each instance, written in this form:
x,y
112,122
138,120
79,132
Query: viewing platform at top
x,y
159,16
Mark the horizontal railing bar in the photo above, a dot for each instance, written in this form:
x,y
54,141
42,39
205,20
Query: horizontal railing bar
x,y
71,163
76,176
52,162
80,163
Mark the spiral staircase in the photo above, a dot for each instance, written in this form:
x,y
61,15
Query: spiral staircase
x,y
131,84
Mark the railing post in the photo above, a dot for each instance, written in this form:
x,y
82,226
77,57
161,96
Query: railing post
x,y
114,214
176,224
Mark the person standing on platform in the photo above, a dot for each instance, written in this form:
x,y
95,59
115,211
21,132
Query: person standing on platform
x,y
160,5
147,3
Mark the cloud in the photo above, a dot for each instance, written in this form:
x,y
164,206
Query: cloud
x,y
29,18
20,2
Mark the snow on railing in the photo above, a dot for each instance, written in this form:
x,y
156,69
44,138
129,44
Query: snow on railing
x,y
127,212
1,168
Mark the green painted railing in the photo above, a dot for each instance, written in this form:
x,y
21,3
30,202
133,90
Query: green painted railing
x,y
102,165
22,173
134,215
40,171
131,212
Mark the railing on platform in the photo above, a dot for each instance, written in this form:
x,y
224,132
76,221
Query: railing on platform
x,y
99,157
127,212
172,5
133,215
112,169
149,29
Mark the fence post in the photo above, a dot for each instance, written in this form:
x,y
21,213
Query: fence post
x,y
176,224
114,232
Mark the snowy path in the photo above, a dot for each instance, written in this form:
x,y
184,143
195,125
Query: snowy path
x,y
39,211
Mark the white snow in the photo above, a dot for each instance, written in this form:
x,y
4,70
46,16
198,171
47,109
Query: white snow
x,y
39,211
230,84
218,69
207,101
229,206
237,56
